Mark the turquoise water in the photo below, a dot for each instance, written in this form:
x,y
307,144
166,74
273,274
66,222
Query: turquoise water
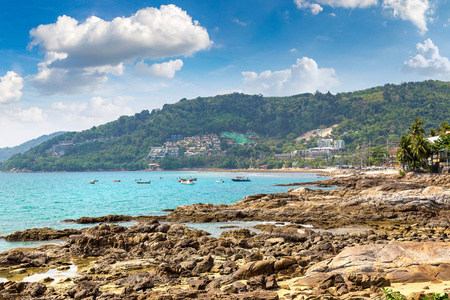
x,y
45,199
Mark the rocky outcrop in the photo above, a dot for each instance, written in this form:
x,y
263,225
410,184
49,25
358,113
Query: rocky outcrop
x,y
398,262
40,234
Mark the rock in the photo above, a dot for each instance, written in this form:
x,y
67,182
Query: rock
x,y
19,271
205,265
40,234
198,284
262,267
283,264
271,283
241,233
46,280
401,262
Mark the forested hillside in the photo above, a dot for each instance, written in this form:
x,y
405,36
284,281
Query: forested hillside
x,y
375,114
6,153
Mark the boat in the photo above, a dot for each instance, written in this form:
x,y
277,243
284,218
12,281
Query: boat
x,y
184,179
116,180
93,181
143,182
239,178
220,181
187,182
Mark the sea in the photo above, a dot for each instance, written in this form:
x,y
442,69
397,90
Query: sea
x,y
35,200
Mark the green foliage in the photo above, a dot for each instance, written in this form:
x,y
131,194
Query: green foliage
x,y
374,114
437,296
390,294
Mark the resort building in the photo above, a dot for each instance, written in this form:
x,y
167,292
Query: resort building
x,y
325,143
339,144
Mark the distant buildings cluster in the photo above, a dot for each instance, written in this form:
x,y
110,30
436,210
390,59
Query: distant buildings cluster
x,y
207,144
60,149
325,147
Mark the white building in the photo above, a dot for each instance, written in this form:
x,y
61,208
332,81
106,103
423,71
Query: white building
x,y
324,143
339,144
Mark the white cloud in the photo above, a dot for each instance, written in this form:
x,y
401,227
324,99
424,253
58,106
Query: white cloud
x,y
447,24
304,76
337,3
316,8
96,111
237,21
33,114
79,56
410,10
415,11
428,61
10,87
163,70
151,33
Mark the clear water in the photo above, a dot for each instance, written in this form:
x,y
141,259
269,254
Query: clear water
x,y
45,199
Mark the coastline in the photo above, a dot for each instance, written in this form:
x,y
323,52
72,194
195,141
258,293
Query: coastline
x,y
160,257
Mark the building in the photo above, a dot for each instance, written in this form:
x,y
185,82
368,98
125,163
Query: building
x,y
283,156
173,151
318,152
339,144
161,152
324,143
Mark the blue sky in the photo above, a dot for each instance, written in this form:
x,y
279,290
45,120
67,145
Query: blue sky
x,y
70,65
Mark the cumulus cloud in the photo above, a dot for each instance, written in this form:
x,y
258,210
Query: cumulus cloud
x,y
33,114
66,81
163,70
81,55
304,76
10,87
414,11
428,61
151,33
97,110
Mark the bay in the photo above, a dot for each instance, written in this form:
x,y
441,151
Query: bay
x,y
34,200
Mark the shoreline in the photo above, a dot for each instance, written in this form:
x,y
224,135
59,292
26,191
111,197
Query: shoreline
x,y
379,240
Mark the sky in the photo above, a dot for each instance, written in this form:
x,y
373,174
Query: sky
x,y
70,65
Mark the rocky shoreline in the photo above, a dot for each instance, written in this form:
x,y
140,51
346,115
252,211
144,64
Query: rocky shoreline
x,y
371,232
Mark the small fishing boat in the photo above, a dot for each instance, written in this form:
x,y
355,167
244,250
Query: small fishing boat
x,y
239,179
188,182
93,181
116,180
184,179
143,182
220,181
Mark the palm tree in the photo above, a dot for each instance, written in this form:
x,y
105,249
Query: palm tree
x,y
416,129
443,128
421,150
404,154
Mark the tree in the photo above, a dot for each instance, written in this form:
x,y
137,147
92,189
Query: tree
x,y
404,155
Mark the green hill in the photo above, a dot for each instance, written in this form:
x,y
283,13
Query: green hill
x,y
6,153
375,114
